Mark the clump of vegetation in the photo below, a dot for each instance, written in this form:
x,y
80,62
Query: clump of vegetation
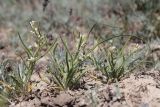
x,y
114,62
18,82
67,67
23,75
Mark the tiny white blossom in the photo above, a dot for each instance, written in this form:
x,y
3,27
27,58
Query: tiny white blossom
x,y
32,32
35,45
112,48
34,24
31,59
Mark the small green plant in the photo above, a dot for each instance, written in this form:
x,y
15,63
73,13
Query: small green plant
x,y
67,66
114,63
25,70
18,81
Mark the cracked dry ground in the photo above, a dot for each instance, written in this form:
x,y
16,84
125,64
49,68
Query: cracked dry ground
x,y
137,90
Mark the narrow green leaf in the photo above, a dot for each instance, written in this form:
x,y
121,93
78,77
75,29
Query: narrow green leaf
x,y
25,47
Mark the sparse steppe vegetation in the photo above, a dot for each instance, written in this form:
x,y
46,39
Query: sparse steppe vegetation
x,y
86,53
